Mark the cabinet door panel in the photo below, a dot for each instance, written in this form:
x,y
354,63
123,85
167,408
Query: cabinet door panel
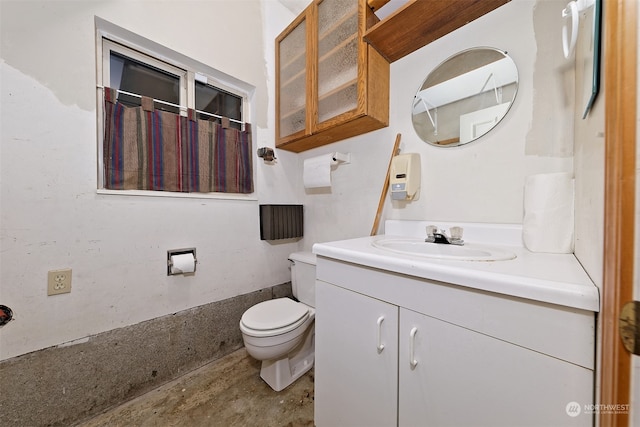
x,y
355,383
292,81
337,58
463,378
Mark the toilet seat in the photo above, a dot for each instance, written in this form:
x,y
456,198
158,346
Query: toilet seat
x,y
274,317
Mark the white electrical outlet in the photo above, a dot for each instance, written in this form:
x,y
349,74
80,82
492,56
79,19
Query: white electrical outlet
x,y
59,282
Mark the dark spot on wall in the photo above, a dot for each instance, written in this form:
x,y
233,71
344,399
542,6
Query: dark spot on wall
x,y
6,314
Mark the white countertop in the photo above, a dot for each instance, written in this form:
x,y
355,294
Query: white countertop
x,y
552,278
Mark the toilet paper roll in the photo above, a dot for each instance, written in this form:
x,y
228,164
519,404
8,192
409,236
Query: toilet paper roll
x,y
317,171
183,263
549,213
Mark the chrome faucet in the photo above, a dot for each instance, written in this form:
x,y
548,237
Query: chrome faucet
x,y
440,236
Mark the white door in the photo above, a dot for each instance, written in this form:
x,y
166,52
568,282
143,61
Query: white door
x,y
464,378
475,124
356,381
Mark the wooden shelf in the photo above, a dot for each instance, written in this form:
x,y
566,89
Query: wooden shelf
x,y
338,48
290,113
298,75
336,90
336,25
294,59
419,22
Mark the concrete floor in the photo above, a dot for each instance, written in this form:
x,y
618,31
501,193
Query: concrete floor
x,y
228,392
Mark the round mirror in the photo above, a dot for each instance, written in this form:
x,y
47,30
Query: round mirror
x,y
465,97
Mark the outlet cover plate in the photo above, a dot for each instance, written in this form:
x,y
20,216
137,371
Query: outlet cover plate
x,y
59,282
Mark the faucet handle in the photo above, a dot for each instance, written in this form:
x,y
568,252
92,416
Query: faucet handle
x,y
456,232
431,230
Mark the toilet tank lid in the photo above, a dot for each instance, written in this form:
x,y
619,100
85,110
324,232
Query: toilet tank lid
x,y
306,257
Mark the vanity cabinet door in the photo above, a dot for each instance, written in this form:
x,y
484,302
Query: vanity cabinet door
x,y
463,378
356,379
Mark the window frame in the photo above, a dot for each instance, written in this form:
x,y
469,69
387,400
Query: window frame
x,y
109,46
110,37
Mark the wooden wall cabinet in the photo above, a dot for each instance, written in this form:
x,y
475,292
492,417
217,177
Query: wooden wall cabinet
x,y
330,84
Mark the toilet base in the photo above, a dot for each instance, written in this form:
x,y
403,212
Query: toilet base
x,y
280,373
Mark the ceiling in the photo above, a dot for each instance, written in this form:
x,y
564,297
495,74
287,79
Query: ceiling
x,y
295,6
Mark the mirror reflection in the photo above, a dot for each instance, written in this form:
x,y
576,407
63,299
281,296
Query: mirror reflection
x,y
465,97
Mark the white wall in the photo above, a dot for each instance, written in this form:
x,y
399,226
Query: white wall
x,y
482,181
589,164
51,216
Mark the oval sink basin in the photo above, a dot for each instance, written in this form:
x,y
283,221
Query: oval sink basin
x,y
468,252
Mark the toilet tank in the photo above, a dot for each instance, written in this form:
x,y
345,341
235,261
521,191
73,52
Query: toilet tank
x,y
303,277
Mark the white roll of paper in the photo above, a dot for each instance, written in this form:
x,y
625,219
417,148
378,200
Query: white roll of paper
x,y
183,263
317,171
549,213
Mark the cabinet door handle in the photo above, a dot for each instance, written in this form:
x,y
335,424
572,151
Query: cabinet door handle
x,y
380,346
412,338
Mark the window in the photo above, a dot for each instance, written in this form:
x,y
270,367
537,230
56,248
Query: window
x,y
138,76
168,123
213,100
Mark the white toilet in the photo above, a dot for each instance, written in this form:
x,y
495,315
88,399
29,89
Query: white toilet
x,y
281,331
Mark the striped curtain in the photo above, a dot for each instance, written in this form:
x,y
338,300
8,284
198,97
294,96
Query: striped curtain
x,y
161,151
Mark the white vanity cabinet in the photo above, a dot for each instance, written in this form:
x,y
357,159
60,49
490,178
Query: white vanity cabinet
x,y
451,355
465,378
357,381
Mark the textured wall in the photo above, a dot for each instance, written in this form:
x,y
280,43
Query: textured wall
x,y
588,161
66,383
479,182
51,216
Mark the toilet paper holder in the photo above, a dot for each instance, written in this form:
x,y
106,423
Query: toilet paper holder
x,y
341,158
267,154
172,252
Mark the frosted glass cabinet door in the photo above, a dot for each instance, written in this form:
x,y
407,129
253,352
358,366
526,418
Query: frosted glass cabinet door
x,y
292,78
356,382
337,58
463,378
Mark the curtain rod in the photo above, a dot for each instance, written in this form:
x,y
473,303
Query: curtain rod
x,y
180,107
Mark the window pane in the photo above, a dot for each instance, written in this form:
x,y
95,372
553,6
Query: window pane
x,y
133,76
217,101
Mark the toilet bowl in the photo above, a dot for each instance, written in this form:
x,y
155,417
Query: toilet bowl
x,y
281,332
